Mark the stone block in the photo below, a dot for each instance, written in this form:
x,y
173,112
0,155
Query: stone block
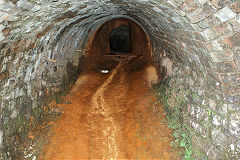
x,y
216,45
226,67
231,99
156,9
143,1
235,124
223,110
234,24
6,6
222,56
36,8
189,6
234,107
7,17
180,12
238,66
220,3
202,1
177,19
218,137
216,120
238,145
232,41
216,32
230,79
1,27
2,37
207,34
1,139
176,2
225,14
24,4
201,13
235,7
208,22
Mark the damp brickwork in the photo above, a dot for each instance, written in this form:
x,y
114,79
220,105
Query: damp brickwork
x,y
39,57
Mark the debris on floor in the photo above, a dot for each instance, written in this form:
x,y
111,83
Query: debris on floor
x,y
104,71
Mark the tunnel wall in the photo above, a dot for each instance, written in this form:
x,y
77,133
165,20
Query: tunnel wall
x,y
197,39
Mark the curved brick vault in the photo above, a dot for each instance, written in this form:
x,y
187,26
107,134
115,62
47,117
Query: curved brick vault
x,y
39,40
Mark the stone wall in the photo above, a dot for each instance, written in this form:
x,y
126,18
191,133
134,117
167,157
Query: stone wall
x,y
39,40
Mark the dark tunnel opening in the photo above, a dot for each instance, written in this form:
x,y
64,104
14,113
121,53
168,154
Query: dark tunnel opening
x,y
119,40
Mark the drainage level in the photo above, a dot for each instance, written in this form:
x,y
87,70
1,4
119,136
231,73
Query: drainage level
x,y
120,40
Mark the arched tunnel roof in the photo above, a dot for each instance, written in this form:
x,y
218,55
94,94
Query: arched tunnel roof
x,y
200,37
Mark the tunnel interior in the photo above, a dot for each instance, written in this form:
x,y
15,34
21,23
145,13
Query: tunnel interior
x,y
192,44
120,40
118,37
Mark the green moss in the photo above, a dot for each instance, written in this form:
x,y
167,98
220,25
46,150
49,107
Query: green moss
x,y
176,120
37,113
58,98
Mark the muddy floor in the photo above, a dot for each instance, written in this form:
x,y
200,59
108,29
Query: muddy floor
x,y
111,115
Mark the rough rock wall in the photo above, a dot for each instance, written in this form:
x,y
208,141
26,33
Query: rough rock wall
x,y
38,58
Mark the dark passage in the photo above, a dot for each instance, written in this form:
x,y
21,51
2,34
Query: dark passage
x,y
120,40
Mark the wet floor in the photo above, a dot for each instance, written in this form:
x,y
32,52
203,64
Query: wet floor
x,y
111,116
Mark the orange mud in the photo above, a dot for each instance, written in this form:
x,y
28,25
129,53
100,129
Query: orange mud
x,y
111,116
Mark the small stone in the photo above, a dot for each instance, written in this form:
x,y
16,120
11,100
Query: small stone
x,y
223,109
207,34
238,144
232,147
238,18
156,9
143,1
36,8
201,13
218,137
24,4
1,138
176,19
1,27
8,7
14,114
57,111
215,121
104,71
2,37
217,45
68,102
232,40
65,1
212,104
235,7
202,1
189,5
7,17
225,14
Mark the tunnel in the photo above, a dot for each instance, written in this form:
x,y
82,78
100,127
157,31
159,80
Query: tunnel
x,y
119,40
184,52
